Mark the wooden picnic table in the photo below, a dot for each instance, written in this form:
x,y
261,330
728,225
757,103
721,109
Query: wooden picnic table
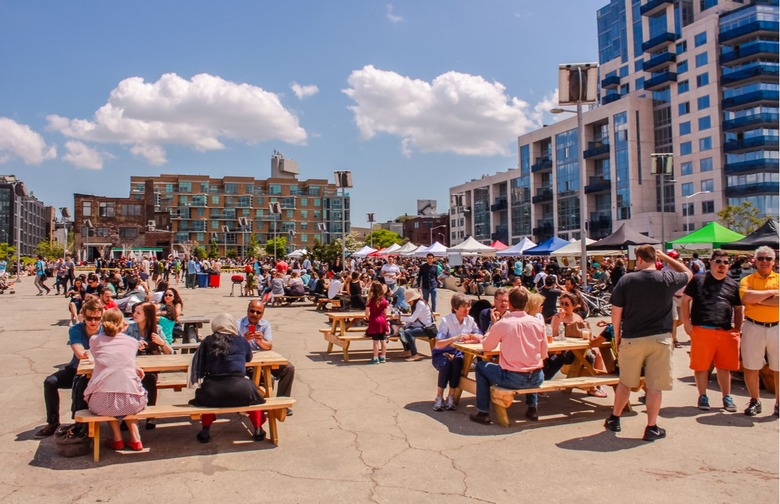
x,y
263,362
340,322
191,324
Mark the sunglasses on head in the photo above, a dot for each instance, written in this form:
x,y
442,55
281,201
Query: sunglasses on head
x,y
720,261
763,258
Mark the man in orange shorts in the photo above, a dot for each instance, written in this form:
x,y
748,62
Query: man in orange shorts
x,y
708,303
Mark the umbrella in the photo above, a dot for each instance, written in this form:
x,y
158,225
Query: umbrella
x,y
546,247
622,238
713,233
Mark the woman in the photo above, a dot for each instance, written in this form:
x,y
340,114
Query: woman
x,y
152,341
356,299
378,327
414,325
456,327
171,307
221,363
399,296
76,295
115,387
617,273
572,285
534,305
159,292
295,286
551,294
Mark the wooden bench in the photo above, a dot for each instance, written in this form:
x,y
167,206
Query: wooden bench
x,y
175,381
503,398
275,408
279,300
322,303
358,334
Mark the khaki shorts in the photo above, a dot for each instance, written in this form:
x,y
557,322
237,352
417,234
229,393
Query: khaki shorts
x,y
677,309
654,354
757,342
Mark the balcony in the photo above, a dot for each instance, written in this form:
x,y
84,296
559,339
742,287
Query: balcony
x,y
657,43
609,98
613,81
753,143
760,97
597,149
659,62
542,163
600,222
598,184
652,7
762,119
746,52
543,228
756,72
661,80
753,165
502,233
748,31
498,205
752,189
543,195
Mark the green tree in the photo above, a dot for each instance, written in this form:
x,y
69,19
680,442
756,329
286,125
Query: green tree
x,y
213,249
48,250
253,246
382,238
200,252
280,243
7,251
326,251
743,218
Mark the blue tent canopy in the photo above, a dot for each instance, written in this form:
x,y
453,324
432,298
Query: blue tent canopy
x,y
546,247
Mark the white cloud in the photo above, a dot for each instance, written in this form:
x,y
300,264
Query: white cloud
x,y
20,141
542,109
456,112
304,91
392,17
83,156
198,113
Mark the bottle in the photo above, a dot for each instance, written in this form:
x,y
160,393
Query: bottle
x,y
561,331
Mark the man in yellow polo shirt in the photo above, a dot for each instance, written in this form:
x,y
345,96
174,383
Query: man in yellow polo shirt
x,y
759,293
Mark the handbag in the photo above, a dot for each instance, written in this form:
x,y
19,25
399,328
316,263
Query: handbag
x,y
72,442
431,330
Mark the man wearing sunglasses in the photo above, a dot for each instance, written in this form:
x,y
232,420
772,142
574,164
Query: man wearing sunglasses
x,y
709,303
78,339
257,332
759,293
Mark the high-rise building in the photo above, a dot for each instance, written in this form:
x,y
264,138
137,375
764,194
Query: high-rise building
x,y
698,80
22,211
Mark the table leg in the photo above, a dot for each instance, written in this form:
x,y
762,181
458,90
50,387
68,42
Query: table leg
x,y
345,351
95,441
467,360
269,382
272,427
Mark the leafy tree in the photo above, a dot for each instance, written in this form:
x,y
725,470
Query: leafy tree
x,y
200,252
326,251
280,243
743,218
213,249
382,238
7,251
354,242
253,246
48,250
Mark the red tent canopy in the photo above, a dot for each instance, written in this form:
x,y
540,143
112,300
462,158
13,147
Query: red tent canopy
x,y
499,245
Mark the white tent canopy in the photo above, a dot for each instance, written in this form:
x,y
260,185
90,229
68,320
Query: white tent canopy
x,y
437,249
471,247
363,252
392,249
517,249
297,254
408,249
574,249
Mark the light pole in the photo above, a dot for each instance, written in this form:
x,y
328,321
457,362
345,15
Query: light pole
x,y
370,219
688,209
343,181
275,209
20,192
662,165
434,229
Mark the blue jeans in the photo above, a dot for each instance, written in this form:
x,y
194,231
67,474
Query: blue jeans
x,y
430,293
490,373
408,338
449,369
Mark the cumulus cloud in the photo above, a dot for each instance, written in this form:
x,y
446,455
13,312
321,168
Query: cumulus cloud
x,y
81,155
199,113
304,91
19,141
542,109
391,16
455,112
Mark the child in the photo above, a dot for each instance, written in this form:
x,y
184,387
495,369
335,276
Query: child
x,y
377,321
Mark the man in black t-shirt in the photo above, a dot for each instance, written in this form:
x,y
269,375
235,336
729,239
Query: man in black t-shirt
x,y
642,321
708,303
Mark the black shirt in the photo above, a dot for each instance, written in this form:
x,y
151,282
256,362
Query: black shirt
x,y
549,306
713,300
646,299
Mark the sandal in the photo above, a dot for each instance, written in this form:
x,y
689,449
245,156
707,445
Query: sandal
x,y
597,392
677,344
414,358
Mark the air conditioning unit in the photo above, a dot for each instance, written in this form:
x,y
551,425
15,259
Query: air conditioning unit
x,y
150,225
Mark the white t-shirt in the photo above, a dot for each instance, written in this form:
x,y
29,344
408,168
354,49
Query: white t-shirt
x,y
390,272
334,288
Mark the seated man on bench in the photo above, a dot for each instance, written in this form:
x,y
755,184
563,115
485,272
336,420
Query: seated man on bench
x,y
521,358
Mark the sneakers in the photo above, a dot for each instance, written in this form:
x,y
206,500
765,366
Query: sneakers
x,y
259,434
653,432
612,423
46,431
704,402
754,408
382,360
480,418
374,361
449,405
438,404
728,404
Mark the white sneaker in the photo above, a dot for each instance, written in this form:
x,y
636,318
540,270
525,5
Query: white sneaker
x,y
449,405
438,404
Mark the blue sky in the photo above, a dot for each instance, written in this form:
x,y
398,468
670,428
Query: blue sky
x,y
412,96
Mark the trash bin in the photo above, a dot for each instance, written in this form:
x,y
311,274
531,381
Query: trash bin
x,y
213,279
203,280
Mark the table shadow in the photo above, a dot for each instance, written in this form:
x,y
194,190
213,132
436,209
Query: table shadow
x,y
603,442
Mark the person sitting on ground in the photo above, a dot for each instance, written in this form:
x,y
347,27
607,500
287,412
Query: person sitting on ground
x,y
378,327
520,359
220,362
414,325
457,326
115,386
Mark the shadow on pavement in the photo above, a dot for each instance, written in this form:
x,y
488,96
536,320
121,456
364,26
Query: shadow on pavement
x,y
602,442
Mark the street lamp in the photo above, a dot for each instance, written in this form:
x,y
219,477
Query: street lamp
x,y
688,209
435,228
276,209
344,182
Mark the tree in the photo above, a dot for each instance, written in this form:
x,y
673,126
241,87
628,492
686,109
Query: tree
x,y
213,249
382,238
7,251
743,218
199,252
326,251
280,243
253,246
49,250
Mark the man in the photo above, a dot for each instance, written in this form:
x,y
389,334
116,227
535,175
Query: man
x,y
78,339
520,359
71,272
528,274
40,276
427,278
390,272
257,332
94,286
191,280
499,309
107,298
642,322
759,293
697,265
708,304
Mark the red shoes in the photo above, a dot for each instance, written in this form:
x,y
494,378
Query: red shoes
x,y
135,445
120,445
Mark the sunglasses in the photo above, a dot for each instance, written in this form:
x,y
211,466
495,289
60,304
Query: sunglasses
x,y
256,312
92,319
168,295
762,258
721,261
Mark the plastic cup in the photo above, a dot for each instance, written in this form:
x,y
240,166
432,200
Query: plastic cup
x,y
586,334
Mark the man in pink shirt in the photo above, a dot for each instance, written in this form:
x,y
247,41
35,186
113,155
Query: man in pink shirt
x,y
520,359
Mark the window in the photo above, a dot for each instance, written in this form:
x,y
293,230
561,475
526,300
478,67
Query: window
x,y
703,102
185,187
700,39
705,144
231,188
128,232
130,210
708,207
705,164
686,168
682,87
683,108
705,123
707,185
640,83
106,209
682,67
274,189
304,202
702,79
686,189
214,199
687,209
86,209
681,47
685,148
701,59
685,128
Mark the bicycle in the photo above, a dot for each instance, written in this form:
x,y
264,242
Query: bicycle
x,y
598,303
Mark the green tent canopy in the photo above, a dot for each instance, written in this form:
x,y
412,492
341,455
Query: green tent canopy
x,y
713,233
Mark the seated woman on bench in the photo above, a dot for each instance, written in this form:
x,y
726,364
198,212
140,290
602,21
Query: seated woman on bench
x,y
221,363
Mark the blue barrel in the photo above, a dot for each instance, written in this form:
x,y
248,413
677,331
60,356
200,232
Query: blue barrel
x,y
203,280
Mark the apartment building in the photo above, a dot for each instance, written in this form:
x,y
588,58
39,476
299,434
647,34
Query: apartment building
x,y
23,212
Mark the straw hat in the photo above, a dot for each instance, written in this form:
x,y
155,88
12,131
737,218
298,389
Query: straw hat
x,y
410,295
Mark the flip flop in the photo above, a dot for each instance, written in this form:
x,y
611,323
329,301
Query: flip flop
x,y
597,392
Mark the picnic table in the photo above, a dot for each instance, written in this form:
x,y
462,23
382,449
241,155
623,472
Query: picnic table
x,y
191,324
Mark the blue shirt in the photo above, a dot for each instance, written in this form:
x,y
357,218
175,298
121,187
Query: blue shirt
x,y
450,327
77,334
263,327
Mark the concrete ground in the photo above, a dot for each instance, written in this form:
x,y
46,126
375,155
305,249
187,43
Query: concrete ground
x,y
367,433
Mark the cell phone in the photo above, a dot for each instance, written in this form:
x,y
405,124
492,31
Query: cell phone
x,y
251,328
